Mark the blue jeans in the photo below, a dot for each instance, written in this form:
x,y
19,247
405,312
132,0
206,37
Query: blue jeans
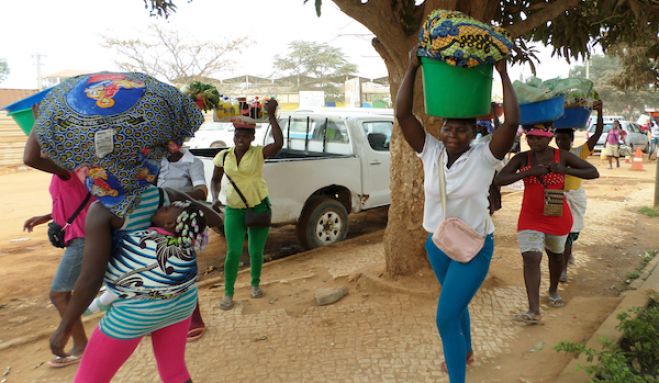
x,y
460,282
69,266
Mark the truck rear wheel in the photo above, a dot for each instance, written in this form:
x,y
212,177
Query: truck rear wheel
x,y
324,222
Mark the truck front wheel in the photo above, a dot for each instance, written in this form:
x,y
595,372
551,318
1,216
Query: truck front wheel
x,y
324,222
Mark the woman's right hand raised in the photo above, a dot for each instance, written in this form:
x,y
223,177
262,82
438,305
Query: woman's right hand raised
x,y
414,57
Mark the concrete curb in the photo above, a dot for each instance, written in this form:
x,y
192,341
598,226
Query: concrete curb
x,y
203,284
647,286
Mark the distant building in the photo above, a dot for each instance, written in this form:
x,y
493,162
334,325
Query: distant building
x,y
365,92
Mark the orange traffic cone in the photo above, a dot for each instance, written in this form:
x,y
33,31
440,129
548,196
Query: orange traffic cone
x,y
637,162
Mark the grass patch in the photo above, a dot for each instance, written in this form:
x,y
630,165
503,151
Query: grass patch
x,y
645,259
649,212
633,359
633,275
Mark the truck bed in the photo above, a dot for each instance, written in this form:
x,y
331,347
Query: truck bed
x,y
284,154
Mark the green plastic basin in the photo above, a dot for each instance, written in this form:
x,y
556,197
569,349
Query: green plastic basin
x,y
456,92
24,118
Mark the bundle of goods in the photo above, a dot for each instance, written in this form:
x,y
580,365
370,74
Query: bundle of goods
x,y
565,102
252,110
113,129
205,96
225,108
457,54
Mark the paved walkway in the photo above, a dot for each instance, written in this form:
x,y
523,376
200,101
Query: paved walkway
x,y
362,339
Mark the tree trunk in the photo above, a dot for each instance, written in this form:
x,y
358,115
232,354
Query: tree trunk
x,y
404,237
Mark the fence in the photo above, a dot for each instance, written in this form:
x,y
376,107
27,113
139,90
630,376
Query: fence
x,y
12,142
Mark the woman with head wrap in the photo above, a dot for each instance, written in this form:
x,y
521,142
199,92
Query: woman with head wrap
x,y
545,218
112,129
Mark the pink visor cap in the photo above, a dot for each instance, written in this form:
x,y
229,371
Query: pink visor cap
x,y
539,130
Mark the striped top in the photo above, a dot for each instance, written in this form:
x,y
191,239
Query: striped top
x,y
135,318
140,217
141,278
146,264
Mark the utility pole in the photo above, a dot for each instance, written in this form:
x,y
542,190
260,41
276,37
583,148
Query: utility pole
x,y
656,184
587,68
38,63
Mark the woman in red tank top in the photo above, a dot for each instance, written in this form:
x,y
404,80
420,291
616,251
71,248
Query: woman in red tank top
x,y
545,219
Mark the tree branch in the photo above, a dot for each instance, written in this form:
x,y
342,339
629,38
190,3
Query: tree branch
x,y
547,13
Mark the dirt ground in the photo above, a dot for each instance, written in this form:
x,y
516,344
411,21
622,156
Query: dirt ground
x,y
28,261
614,237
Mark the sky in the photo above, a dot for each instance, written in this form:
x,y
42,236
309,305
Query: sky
x,y
67,34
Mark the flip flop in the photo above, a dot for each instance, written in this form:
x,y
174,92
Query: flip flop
x,y
59,361
528,318
555,301
196,333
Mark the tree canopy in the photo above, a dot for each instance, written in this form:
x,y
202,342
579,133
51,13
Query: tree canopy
x,y
606,71
320,61
165,53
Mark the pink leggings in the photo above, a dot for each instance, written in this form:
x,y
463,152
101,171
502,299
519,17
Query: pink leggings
x,y
104,355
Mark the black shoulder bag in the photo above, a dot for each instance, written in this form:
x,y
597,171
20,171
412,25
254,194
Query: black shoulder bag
x,y
253,218
56,232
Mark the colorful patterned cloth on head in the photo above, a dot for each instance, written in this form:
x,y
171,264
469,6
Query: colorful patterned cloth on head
x,y
459,40
113,129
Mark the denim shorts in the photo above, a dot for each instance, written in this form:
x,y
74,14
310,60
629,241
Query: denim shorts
x,y
531,240
69,266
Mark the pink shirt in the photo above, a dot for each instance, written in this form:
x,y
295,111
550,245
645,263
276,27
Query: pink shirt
x,y
614,137
67,195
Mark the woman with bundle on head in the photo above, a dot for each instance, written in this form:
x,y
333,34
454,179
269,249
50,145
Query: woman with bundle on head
x,y
113,129
247,196
545,219
465,171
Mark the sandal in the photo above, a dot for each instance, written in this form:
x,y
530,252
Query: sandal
x,y
528,318
196,333
256,292
563,278
226,303
63,361
555,300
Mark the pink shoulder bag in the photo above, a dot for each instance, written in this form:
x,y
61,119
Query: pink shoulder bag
x,y
455,238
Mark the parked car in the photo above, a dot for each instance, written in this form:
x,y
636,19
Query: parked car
x,y
633,138
332,164
219,135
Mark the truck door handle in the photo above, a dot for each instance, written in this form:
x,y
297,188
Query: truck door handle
x,y
375,162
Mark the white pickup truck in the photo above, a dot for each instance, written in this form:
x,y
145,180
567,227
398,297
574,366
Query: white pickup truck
x,y
332,164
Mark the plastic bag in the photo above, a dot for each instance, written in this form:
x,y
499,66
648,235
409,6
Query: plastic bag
x,y
577,91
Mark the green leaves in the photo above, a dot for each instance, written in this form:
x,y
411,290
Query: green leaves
x,y
633,359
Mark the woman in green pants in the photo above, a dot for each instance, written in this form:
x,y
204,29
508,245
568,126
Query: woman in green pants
x,y
243,164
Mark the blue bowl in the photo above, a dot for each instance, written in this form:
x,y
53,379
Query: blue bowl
x,y
27,102
574,118
542,111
